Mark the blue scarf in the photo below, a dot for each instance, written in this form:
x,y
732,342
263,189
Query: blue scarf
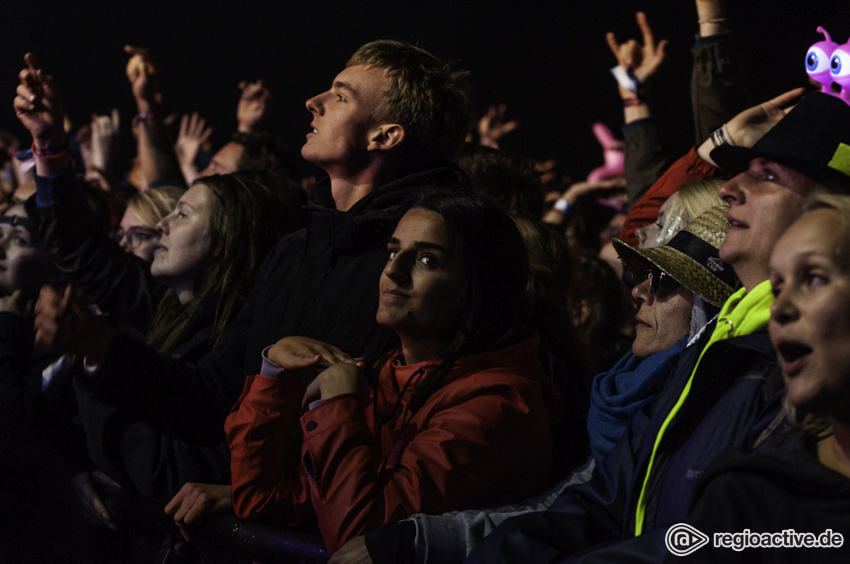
x,y
618,394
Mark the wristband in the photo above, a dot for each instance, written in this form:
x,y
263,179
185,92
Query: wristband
x,y
562,205
714,21
719,137
49,155
145,116
630,102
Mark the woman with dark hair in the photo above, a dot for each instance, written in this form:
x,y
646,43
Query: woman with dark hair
x,y
460,415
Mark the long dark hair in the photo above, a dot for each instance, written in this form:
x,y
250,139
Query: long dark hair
x,y
249,213
491,311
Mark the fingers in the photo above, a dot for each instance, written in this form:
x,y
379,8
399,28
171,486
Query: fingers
x,y
648,37
787,98
661,49
194,502
133,50
51,322
33,64
312,393
251,90
613,45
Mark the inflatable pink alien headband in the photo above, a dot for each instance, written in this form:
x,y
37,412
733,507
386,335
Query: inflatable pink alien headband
x,y
828,63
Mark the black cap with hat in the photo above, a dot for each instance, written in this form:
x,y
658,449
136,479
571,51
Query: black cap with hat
x,y
812,139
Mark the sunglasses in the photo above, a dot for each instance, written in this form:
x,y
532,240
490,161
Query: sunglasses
x,y
661,283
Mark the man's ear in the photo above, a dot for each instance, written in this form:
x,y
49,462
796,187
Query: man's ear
x,y
386,137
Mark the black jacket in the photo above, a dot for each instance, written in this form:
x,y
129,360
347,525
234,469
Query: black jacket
x,y
736,393
321,282
779,486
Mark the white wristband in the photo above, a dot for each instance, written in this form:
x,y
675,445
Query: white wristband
x,y
562,205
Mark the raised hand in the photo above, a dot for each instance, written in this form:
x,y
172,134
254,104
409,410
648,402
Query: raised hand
x,y
254,105
644,59
750,125
39,107
98,142
191,137
492,126
143,77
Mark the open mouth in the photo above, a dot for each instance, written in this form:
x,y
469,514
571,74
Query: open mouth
x,y
793,356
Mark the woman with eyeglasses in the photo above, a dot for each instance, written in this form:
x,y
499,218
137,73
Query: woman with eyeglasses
x,y
137,232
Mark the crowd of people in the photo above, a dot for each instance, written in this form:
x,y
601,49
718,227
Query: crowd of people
x,y
434,351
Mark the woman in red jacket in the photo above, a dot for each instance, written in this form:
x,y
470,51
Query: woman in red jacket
x,y
459,416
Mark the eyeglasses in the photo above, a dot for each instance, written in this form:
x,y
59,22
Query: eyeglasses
x,y
136,236
661,283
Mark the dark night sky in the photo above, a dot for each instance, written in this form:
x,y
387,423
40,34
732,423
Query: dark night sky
x,y
547,61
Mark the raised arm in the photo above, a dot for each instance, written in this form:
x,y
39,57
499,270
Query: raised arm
x,y
119,282
637,63
39,108
157,159
719,85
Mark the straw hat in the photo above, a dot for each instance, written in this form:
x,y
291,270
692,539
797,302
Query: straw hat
x,y
690,257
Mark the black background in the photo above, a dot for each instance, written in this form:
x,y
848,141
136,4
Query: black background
x,y
548,61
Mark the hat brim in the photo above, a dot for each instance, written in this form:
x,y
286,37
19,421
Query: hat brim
x,y
679,266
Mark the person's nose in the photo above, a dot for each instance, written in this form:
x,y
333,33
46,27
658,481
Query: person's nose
x,y
396,270
124,241
315,105
784,308
733,191
640,293
162,225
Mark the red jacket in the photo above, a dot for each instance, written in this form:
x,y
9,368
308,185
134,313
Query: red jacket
x,y
689,168
482,438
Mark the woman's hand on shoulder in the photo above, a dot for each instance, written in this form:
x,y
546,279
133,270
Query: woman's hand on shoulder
x,y
300,353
